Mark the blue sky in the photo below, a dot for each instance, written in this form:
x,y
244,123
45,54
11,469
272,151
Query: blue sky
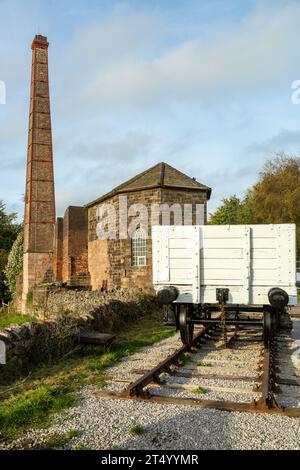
x,y
204,85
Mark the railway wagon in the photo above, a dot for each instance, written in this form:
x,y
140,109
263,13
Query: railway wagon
x,y
247,273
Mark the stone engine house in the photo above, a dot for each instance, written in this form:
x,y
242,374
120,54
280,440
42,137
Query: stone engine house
x,y
82,258
67,250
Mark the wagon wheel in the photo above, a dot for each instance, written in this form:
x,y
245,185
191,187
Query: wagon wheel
x,y
185,326
268,327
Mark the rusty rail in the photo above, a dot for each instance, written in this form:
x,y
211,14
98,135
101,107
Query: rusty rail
x,y
136,389
267,387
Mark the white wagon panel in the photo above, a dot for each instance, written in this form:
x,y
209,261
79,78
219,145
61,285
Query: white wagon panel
x,y
247,259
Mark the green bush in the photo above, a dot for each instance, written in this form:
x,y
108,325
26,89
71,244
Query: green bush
x,y
14,263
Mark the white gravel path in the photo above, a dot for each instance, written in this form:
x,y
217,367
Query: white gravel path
x,y
289,363
106,424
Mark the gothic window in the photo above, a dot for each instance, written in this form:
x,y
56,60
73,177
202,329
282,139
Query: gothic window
x,y
139,248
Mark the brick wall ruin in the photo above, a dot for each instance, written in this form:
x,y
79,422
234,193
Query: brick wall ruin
x,y
71,248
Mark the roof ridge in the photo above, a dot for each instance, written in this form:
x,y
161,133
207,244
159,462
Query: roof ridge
x,y
134,178
187,176
160,182
162,173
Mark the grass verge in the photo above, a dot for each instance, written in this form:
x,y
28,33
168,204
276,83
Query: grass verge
x,y
32,409
7,319
54,442
58,441
31,402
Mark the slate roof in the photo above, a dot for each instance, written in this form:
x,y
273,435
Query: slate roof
x,y
161,175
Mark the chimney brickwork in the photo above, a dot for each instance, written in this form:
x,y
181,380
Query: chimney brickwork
x,y
39,219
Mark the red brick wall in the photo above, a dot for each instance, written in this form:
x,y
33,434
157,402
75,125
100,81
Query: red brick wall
x,y
58,250
75,246
39,219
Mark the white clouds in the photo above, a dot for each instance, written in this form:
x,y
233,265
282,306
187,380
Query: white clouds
x,y
129,88
132,145
123,62
286,140
117,38
104,59
94,162
259,52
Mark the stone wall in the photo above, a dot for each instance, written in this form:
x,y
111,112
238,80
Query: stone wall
x,y
35,343
110,261
115,262
68,312
93,304
185,196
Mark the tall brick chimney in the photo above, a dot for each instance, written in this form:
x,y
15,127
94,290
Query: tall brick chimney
x,y
39,220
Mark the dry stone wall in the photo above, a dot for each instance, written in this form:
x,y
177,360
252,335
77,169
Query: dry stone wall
x,y
68,312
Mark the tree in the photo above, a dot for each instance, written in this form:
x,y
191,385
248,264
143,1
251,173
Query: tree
x,y
233,211
15,262
9,230
274,199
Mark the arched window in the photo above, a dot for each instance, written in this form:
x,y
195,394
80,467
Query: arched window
x,y
139,248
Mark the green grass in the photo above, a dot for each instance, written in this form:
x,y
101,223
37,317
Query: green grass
x,y
55,442
31,402
73,433
137,430
58,441
7,319
127,348
185,358
204,364
32,409
199,390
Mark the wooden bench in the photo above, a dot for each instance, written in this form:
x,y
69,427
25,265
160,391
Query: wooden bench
x,y
93,337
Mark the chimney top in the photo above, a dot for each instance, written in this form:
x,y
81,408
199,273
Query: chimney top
x,y
40,41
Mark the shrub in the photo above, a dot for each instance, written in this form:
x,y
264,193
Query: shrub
x,y
14,263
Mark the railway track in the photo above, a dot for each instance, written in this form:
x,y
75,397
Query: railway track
x,y
244,376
